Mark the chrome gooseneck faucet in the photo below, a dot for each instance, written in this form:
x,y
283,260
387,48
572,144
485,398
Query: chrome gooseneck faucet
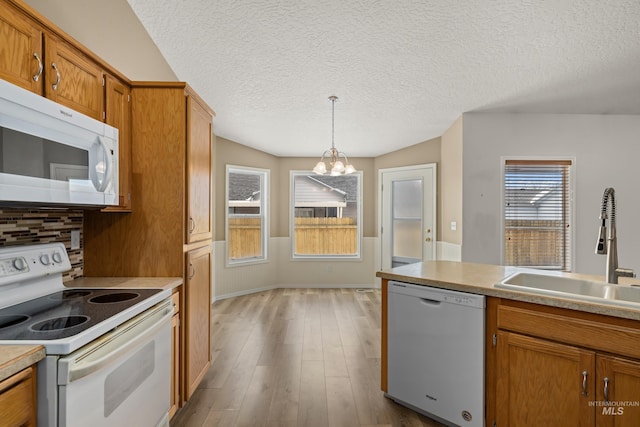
x,y
610,248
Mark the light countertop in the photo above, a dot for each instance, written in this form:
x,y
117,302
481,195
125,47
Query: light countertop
x,y
125,282
15,358
481,278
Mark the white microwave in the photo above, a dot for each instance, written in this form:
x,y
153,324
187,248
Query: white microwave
x,y
53,155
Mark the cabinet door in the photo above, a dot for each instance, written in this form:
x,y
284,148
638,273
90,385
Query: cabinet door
x,y
118,115
618,381
197,316
199,157
18,399
72,79
20,50
540,383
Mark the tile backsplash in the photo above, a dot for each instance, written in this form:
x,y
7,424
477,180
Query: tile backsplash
x,y
33,226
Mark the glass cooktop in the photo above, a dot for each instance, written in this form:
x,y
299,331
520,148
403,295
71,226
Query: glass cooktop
x,y
66,313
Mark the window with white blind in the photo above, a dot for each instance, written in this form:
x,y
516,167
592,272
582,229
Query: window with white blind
x,y
537,214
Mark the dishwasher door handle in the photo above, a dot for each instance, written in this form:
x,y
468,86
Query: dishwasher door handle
x,y
432,302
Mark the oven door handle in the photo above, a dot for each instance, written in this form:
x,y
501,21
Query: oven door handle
x,y
125,339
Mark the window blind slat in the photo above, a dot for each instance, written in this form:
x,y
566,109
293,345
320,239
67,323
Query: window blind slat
x,y
537,213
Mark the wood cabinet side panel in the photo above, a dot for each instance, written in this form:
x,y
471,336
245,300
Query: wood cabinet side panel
x,y
149,240
384,361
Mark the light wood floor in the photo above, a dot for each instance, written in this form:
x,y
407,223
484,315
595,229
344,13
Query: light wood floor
x,y
296,357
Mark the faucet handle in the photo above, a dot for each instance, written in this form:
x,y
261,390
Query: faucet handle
x,y
625,272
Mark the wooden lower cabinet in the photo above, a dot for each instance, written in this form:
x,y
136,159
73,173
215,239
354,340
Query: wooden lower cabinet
x,y
197,317
621,380
18,399
540,383
559,367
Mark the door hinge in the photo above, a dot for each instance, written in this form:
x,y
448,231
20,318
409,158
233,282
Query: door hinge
x,y
104,115
495,339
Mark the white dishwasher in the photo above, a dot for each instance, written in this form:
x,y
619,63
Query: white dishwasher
x,y
436,352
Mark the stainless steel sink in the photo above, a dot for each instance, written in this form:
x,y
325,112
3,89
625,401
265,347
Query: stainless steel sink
x,y
580,289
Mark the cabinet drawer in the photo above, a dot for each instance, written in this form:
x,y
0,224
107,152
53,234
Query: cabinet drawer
x,y
17,399
583,332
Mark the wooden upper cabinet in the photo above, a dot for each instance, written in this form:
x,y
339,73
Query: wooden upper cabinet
x,y
118,115
199,172
21,55
72,79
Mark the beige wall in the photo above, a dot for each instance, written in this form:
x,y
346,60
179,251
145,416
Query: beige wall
x,y
451,187
114,33
231,153
418,154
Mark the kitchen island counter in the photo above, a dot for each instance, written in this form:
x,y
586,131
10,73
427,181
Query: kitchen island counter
x,y
481,279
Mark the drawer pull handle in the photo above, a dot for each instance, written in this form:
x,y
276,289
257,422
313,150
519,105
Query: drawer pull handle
x,y
38,73
57,82
192,272
584,383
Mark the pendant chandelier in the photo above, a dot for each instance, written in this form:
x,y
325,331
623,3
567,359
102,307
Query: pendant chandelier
x,y
338,167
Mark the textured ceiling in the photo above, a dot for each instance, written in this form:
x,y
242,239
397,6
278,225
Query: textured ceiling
x,y
403,70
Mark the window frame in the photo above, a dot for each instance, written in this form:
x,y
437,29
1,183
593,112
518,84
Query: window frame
x,y
570,202
328,257
264,175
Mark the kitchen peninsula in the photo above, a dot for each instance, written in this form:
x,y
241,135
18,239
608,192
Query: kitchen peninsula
x,y
549,359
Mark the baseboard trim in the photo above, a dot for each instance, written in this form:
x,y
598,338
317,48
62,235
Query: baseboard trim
x,y
294,286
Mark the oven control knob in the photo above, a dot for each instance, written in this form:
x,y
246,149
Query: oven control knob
x,y
19,264
57,258
44,259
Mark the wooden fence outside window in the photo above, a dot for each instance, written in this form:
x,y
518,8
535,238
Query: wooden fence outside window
x,y
313,236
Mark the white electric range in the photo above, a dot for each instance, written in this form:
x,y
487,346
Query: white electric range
x,y
108,351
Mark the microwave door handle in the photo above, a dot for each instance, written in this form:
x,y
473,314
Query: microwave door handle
x,y
93,174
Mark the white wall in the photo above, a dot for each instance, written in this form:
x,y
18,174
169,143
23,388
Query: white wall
x,y
607,152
